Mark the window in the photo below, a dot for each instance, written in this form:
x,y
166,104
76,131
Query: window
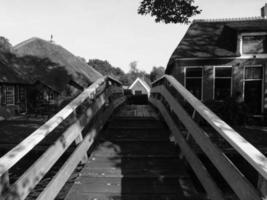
x,y
254,44
22,93
10,95
222,82
253,88
138,92
51,96
193,81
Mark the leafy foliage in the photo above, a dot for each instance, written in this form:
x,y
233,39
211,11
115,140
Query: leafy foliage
x,y
5,45
105,68
169,11
156,73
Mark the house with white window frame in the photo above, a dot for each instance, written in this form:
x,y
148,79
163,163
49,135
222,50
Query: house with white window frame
x,y
13,89
219,58
140,87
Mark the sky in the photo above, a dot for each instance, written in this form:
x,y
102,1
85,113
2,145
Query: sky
x,y
109,29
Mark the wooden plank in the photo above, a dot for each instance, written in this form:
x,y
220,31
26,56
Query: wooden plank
x,y
37,171
119,196
4,185
232,175
62,176
248,151
58,181
138,172
136,186
78,140
200,170
132,177
262,186
14,155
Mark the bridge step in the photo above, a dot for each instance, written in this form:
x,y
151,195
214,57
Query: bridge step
x,y
134,159
119,196
121,148
137,124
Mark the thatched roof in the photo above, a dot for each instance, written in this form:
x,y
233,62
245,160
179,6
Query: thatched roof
x,y
8,74
65,64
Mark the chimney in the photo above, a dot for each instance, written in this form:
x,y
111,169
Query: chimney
x,y
264,11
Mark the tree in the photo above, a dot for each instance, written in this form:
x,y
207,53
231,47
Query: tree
x,y
133,67
105,68
169,11
5,45
156,73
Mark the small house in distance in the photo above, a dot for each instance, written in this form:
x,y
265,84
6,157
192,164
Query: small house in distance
x,y
12,89
140,87
222,58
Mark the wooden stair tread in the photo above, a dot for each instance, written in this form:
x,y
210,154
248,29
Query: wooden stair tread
x,y
134,159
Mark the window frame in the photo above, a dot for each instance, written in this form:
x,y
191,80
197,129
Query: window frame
x,y
214,79
202,71
262,83
250,34
13,91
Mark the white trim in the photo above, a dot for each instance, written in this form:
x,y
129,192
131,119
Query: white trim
x,y
246,56
202,83
13,93
147,88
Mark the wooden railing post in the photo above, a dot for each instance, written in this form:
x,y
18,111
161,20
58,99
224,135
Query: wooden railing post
x,y
4,184
78,140
243,188
262,186
76,115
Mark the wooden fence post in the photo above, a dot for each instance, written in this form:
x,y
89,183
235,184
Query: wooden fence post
x,y
4,184
78,140
262,186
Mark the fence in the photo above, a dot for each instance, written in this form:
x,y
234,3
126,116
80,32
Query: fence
x,y
97,101
169,96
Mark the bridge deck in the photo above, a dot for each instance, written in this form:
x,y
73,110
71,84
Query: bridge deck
x,y
134,160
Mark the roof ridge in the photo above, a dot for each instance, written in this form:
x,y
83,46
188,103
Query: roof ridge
x,y
230,19
27,41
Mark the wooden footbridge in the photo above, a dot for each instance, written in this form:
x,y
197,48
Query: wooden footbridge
x,y
130,152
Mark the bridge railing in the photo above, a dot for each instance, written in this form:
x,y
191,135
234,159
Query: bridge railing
x,y
97,101
169,96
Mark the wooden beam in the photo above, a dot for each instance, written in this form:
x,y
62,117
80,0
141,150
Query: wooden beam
x,y
244,148
262,187
38,170
58,181
14,155
200,170
240,185
4,185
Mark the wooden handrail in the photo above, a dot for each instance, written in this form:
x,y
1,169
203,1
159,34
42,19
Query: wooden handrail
x,y
200,170
98,94
254,157
240,144
15,154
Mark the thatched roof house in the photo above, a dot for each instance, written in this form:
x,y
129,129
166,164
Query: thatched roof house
x,y
65,63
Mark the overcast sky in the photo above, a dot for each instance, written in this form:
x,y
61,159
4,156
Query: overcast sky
x,y
108,29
